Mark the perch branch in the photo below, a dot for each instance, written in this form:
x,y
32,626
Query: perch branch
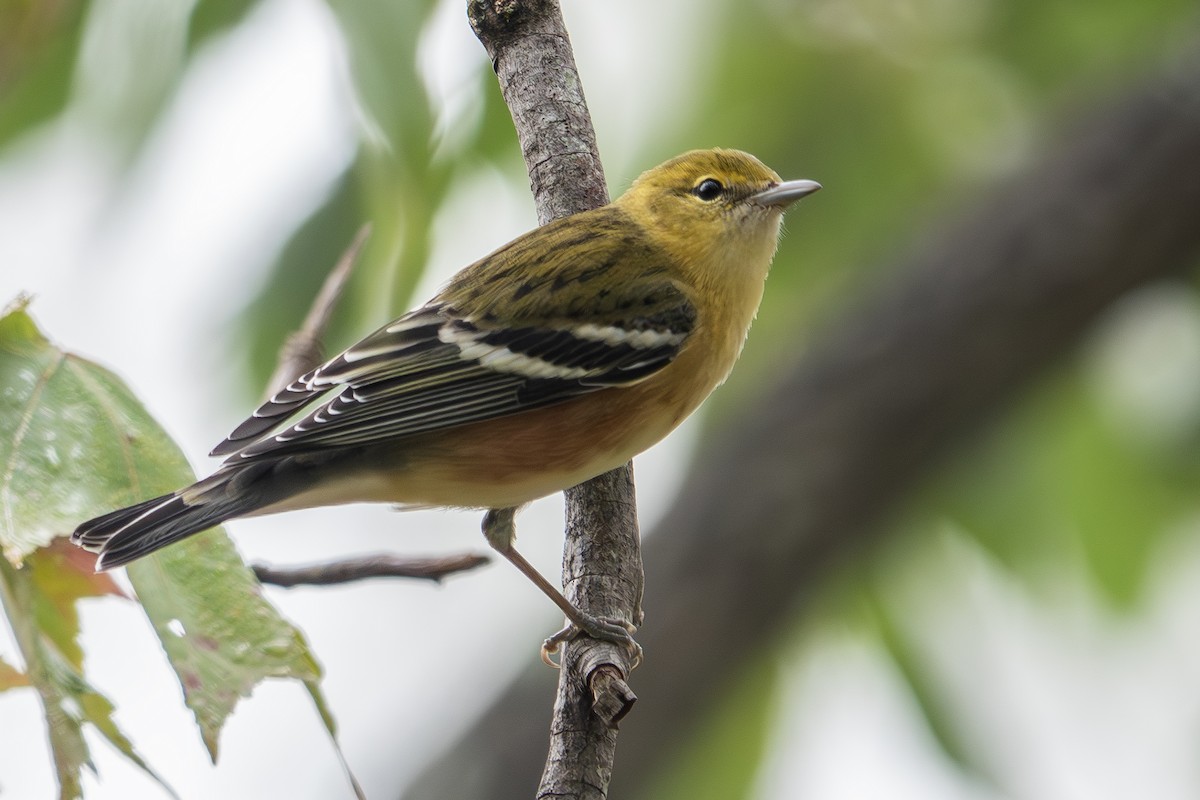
x,y
602,570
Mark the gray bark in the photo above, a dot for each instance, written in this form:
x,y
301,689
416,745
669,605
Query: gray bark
x,y
602,567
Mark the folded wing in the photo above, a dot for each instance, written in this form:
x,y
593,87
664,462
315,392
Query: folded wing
x,y
440,366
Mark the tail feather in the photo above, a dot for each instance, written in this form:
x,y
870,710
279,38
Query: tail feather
x,y
91,535
163,525
127,534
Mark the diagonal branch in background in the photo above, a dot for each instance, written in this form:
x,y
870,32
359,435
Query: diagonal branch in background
x,y
799,480
602,569
302,350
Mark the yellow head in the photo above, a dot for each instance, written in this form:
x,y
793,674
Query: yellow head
x,y
715,210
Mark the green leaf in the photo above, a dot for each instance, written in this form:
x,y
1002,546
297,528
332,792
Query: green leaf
x,y
221,635
73,443
78,443
41,612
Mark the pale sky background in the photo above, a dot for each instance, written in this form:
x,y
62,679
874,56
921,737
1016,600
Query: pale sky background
x,y
129,279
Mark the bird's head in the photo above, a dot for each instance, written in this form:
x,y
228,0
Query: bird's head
x,y
709,206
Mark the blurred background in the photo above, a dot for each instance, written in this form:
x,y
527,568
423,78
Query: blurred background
x,y
176,179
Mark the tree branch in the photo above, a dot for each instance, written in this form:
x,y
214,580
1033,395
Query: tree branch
x,y
799,479
602,571
531,54
377,566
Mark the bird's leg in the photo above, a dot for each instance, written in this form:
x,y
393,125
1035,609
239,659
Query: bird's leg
x,y
501,533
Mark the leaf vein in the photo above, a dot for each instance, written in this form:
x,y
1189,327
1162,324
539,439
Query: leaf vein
x,y
104,400
18,436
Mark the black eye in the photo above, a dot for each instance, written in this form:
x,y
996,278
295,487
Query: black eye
x,y
708,189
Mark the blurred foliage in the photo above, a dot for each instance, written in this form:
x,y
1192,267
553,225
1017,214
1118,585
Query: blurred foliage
x,y
899,109
211,18
880,618
1092,473
80,444
305,261
1082,489
726,750
395,183
902,110
398,182
39,43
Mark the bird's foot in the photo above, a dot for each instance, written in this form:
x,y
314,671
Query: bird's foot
x,y
617,631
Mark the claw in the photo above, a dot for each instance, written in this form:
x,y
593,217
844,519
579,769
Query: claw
x,y
553,644
617,631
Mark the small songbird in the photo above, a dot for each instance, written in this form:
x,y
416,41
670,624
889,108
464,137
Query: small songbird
x,y
556,358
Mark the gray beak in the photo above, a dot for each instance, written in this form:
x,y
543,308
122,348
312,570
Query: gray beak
x,y
785,193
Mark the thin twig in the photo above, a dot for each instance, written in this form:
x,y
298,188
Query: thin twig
x,y
376,566
302,350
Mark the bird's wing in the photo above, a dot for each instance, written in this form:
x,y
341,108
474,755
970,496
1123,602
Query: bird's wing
x,y
445,365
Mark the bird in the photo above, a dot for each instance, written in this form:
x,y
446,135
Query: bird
x,y
554,359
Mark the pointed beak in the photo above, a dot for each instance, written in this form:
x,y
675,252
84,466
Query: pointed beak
x,y
784,194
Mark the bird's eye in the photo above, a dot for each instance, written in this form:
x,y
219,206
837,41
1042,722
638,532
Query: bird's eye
x,y
708,189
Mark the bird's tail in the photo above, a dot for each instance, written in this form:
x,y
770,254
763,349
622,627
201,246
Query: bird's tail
x,y
129,533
